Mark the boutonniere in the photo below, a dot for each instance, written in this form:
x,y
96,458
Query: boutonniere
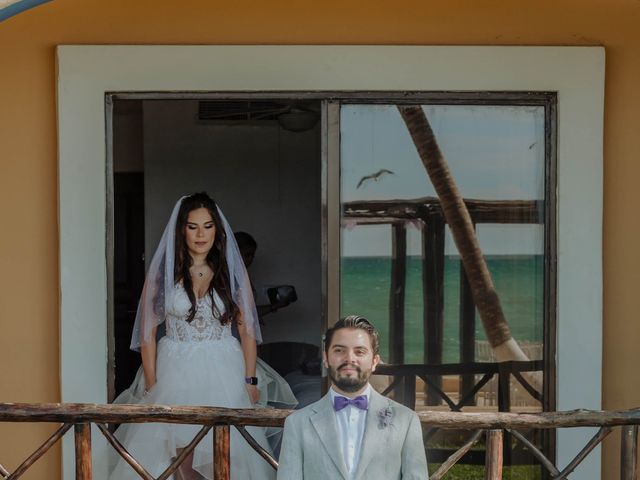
x,y
385,416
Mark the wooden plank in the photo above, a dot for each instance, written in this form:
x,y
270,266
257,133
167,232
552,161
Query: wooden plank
x,y
470,395
184,453
474,456
528,387
550,310
221,453
433,298
629,453
44,448
467,324
257,447
504,387
458,368
374,97
409,391
82,435
108,413
593,443
441,394
504,404
480,211
455,458
122,451
36,413
546,463
493,464
397,292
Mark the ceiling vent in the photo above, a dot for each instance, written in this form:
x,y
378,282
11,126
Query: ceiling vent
x,y
292,116
241,110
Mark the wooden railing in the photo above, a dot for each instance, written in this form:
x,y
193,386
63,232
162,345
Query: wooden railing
x,y
427,212
491,425
404,381
403,387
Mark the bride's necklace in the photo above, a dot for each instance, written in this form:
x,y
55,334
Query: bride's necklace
x,y
200,273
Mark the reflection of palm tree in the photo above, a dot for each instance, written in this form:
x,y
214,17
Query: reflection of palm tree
x,y
459,221
374,176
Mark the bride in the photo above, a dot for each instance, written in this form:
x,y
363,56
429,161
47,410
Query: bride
x,y
198,287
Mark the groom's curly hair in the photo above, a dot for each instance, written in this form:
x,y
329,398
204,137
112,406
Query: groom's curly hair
x,y
353,321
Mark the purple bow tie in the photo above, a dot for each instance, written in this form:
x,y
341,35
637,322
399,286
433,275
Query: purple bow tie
x,y
360,402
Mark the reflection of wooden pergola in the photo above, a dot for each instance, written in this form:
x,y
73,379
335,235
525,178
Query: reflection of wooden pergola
x,y
428,212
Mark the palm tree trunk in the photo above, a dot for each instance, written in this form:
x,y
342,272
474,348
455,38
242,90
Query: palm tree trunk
x,y
459,221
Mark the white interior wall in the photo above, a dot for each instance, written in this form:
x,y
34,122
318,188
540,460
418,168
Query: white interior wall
x,y
127,137
267,182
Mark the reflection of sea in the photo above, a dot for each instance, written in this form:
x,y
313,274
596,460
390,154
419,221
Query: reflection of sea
x,y
518,279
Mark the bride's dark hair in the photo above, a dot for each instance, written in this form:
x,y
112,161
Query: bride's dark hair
x,y
216,258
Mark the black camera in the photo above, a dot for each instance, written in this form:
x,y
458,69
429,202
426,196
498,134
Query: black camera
x,y
282,295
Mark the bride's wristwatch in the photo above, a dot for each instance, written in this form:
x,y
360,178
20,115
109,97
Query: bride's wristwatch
x,y
251,380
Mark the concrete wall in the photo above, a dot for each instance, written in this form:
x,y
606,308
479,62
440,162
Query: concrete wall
x,y
28,168
267,182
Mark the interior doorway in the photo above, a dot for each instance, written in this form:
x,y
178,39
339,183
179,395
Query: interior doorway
x,y
260,159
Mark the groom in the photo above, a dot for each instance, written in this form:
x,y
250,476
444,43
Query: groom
x,y
353,432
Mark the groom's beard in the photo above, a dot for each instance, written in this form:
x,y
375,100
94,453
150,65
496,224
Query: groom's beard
x,y
349,384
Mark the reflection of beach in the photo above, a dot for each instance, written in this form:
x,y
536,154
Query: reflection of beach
x,y
518,279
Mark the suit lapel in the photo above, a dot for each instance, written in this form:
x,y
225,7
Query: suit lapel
x,y
374,437
324,422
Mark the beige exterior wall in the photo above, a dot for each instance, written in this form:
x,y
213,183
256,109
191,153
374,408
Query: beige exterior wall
x,y
29,288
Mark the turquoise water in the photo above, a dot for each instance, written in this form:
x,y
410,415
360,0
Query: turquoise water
x,y
519,281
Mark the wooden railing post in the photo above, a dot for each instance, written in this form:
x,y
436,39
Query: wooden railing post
x,y
433,299
83,451
397,292
409,391
467,334
629,452
504,404
221,453
493,459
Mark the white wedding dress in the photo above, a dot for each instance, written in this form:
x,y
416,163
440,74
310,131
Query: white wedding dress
x,y
198,363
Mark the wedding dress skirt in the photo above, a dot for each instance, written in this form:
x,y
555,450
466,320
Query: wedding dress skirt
x,y
198,363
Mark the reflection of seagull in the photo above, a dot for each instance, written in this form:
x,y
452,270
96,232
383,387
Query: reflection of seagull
x,y
374,176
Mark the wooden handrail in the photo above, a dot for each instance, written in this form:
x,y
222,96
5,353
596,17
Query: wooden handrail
x,y
493,424
107,413
99,413
481,211
458,368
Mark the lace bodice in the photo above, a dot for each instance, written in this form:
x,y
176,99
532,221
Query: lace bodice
x,y
204,327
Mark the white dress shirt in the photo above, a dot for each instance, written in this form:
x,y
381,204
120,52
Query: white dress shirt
x,y
350,422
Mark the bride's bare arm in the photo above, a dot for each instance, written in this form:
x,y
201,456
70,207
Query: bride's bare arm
x,y
249,351
148,353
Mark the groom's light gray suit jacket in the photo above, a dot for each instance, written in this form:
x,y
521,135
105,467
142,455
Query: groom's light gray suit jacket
x,y
392,446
